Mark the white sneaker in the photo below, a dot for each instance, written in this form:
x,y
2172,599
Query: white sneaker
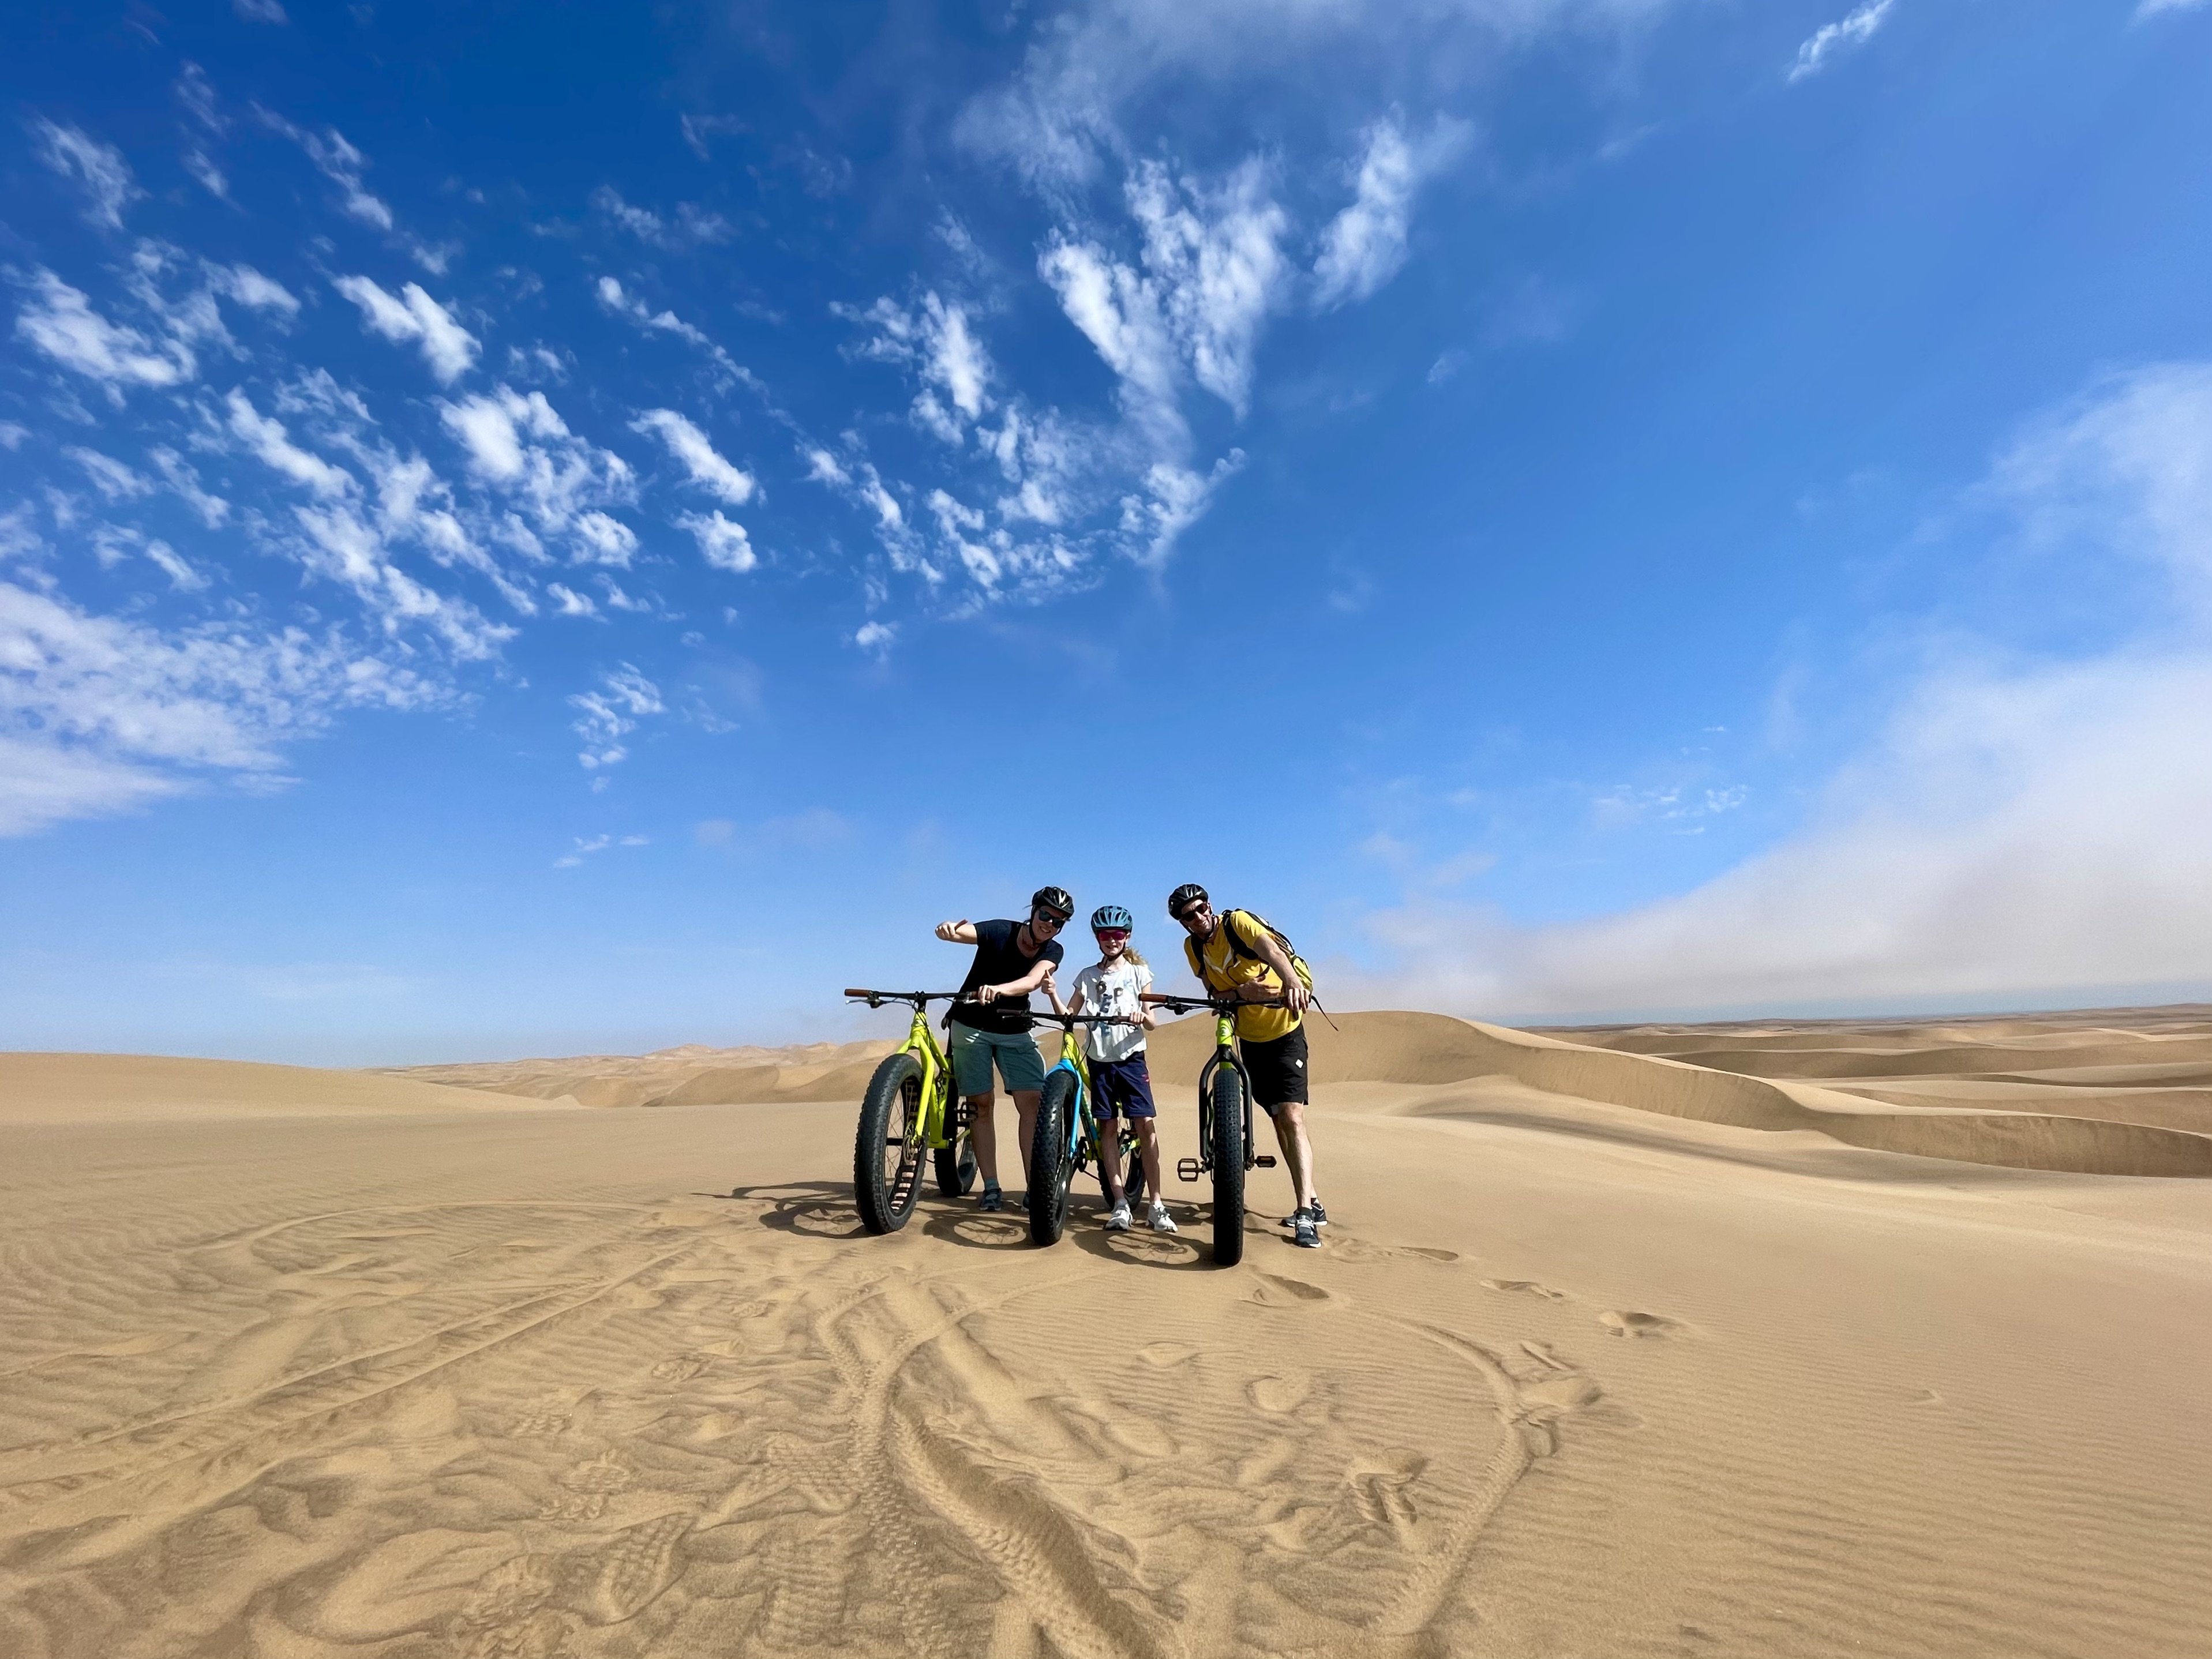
x,y
1161,1222
1117,1218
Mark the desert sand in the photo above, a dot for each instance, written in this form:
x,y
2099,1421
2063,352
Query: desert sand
x,y
1846,1338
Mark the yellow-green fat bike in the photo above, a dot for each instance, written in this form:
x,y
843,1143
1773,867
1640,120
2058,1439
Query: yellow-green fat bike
x,y
909,1112
1065,1138
1224,1123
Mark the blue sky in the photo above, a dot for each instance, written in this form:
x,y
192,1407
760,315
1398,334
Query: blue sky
x,y
551,529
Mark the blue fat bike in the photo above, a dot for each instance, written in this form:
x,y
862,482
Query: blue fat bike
x,y
1065,1138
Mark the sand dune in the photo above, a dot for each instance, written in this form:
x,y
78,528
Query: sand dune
x,y
89,1088
1605,1355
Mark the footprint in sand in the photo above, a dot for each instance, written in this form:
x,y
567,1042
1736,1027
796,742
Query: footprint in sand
x,y
1275,1291
1381,1488
544,1419
1283,1393
589,1486
679,1367
1161,1355
1617,1324
1354,1250
1527,1287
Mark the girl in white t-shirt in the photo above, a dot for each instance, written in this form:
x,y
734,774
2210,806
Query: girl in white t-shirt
x,y
1120,1084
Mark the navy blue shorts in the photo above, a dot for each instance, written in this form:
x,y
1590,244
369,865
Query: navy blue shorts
x,y
1121,1088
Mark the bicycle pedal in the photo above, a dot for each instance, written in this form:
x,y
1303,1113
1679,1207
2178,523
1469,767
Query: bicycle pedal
x,y
1186,1169
1265,1160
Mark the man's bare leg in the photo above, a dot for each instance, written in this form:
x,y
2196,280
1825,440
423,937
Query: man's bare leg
x,y
983,1136
1025,1111
1297,1151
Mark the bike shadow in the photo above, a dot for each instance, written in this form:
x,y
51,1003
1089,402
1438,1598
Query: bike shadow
x,y
811,1209
957,1221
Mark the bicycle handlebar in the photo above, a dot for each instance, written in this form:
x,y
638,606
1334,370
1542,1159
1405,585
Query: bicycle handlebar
x,y
1219,1005
923,999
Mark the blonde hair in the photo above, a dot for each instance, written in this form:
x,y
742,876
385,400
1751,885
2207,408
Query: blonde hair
x,y
1128,954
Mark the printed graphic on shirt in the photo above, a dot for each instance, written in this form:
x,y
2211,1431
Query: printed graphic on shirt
x,y
1114,991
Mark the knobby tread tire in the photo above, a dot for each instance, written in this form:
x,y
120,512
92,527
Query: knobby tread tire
x,y
891,1110
1052,1170
1228,1167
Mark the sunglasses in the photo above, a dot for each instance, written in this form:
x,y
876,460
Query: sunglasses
x,y
1110,933
1047,918
1190,911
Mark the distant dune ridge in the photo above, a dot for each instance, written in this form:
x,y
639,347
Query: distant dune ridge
x,y
1632,1341
2065,1094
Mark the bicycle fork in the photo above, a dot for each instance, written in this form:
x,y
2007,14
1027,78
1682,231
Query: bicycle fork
x,y
1192,1169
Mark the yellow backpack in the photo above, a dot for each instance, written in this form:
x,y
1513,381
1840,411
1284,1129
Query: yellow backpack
x,y
1238,947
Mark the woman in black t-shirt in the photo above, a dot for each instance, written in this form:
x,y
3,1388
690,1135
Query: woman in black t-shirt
x,y
990,1023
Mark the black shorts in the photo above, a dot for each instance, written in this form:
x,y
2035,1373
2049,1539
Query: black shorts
x,y
1122,1088
1279,1070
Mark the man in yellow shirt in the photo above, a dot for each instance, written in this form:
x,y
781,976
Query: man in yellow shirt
x,y
1235,955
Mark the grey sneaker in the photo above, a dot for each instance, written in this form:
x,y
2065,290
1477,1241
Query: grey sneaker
x,y
993,1200
1303,1233
1159,1219
1316,1209
1117,1218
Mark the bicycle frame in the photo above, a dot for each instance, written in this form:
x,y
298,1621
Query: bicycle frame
x,y
1226,1052
940,1117
1082,1121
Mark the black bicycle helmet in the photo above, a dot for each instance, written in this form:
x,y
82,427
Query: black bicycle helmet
x,y
1184,896
1054,899
1112,915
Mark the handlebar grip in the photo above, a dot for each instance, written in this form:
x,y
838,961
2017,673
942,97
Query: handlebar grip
x,y
854,991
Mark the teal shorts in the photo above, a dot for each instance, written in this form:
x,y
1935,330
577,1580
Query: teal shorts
x,y
1019,1063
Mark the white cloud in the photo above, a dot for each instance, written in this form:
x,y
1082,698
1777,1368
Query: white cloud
x,y
604,540
259,11
2019,826
939,344
519,444
185,481
876,637
110,477
339,545
61,322
1365,245
2152,8
12,434
1061,117
691,226
723,543
689,446
249,287
569,603
611,714
196,94
1854,30
99,169
100,714
269,440
626,305
342,164
449,348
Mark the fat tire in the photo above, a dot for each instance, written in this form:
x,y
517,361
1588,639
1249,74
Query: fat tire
x,y
1227,1166
1052,1169
892,1106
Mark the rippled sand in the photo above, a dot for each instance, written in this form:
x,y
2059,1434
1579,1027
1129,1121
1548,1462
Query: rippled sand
x,y
1606,1354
